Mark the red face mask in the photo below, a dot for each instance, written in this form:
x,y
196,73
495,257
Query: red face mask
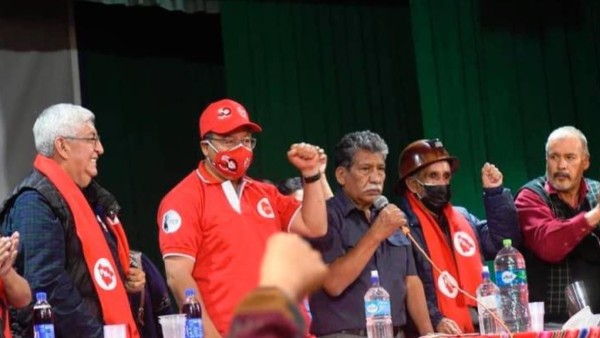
x,y
232,163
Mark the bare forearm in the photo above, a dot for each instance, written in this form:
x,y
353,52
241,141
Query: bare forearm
x,y
417,305
344,270
314,213
17,289
178,284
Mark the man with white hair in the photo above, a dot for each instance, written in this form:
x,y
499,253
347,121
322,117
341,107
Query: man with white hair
x,y
73,246
559,216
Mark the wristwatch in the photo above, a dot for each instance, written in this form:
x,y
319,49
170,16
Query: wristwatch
x,y
311,179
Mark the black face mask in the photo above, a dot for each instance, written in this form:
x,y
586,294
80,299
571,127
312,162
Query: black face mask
x,y
436,197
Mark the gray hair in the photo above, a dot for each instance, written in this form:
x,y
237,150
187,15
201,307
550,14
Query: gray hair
x,y
358,140
61,119
567,131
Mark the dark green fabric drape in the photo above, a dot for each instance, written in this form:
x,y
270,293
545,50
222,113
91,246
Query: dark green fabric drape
x,y
147,93
496,77
315,71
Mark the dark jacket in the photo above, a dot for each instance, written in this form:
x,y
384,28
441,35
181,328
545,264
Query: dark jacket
x,y
502,222
51,258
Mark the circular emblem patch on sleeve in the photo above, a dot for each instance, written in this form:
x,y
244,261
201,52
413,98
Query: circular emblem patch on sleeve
x,y
171,221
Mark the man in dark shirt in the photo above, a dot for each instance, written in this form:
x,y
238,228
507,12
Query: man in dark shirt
x,y
559,215
360,239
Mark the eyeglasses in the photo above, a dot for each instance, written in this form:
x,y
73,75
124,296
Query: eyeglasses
x,y
230,142
93,140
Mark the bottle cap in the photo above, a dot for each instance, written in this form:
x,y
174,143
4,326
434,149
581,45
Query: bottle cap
x,y
374,273
485,271
189,292
40,296
507,242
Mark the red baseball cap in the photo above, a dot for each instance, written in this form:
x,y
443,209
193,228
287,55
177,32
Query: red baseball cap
x,y
224,116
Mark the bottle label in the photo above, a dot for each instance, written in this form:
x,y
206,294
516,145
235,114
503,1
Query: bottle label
x,y
193,328
43,331
511,277
488,301
377,308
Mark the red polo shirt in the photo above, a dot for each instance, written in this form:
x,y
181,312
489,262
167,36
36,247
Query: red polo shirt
x,y
204,219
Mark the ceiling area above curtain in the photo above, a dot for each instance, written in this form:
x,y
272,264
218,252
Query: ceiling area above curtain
x,y
188,6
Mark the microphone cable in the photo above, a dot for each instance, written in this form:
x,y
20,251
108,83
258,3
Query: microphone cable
x,y
406,232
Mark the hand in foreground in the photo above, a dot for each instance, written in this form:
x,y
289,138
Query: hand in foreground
x,y
136,280
305,157
8,252
447,325
291,265
390,219
491,177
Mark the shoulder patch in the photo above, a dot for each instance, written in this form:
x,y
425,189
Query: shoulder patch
x,y
171,221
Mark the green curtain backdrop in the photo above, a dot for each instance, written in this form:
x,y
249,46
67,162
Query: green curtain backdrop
x,y
147,84
314,71
496,76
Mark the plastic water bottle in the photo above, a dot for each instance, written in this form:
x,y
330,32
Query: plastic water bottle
x,y
378,310
512,282
43,320
488,294
193,312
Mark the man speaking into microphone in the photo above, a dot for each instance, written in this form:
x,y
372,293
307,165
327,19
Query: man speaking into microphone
x,y
361,237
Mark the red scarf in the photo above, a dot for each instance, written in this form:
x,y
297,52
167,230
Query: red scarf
x,y
100,263
4,317
463,262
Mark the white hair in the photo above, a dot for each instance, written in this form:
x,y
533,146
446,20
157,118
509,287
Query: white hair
x,y
567,131
63,119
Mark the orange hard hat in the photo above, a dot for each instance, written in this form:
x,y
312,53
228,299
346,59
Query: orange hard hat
x,y
420,154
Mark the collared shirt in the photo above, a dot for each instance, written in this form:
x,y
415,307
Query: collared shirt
x,y
393,260
560,246
224,232
549,237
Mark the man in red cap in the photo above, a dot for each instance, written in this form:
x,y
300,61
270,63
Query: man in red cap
x,y
455,239
213,226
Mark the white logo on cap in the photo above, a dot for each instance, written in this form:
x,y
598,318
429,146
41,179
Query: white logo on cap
x,y
264,208
171,221
104,274
447,285
223,113
464,244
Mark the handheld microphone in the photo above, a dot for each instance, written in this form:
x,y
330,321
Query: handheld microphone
x,y
380,202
